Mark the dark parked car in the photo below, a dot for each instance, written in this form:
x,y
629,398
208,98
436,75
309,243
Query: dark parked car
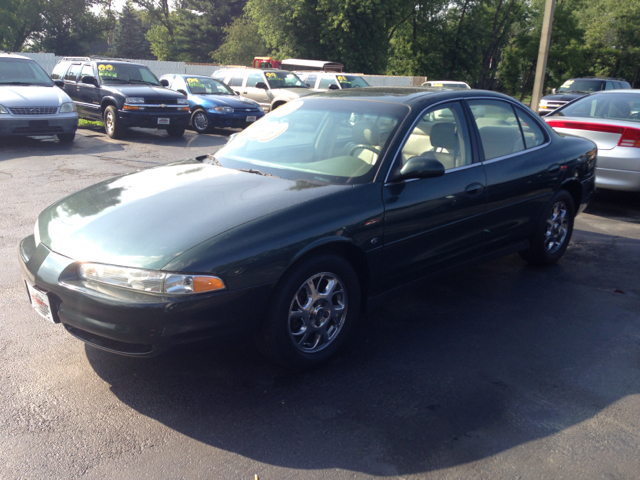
x,y
122,94
575,88
290,231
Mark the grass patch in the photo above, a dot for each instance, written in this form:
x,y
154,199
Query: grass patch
x,y
88,123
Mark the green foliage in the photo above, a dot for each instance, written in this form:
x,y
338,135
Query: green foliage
x,y
243,42
128,40
161,43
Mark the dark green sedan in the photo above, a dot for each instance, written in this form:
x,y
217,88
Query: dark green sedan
x,y
290,231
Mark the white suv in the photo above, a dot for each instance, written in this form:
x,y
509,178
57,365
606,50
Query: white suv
x,y
31,103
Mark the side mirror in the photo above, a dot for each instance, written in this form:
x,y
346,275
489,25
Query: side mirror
x,y
421,167
89,79
553,91
164,82
333,86
59,83
262,85
182,92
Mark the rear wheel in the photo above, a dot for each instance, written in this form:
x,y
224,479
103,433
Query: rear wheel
x,y
66,137
112,124
200,121
553,233
315,306
176,131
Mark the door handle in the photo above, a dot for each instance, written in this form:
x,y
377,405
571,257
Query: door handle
x,y
553,169
474,189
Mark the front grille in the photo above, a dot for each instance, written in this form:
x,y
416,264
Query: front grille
x,y
160,101
245,110
34,110
554,105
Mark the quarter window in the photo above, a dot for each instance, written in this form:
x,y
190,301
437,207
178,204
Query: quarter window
x,y
73,72
533,134
498,127
442,135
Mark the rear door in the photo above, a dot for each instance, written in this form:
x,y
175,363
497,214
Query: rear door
x,y
431,223
71,79
88,95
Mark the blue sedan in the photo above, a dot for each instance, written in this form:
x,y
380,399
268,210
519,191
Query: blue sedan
x,y
213,104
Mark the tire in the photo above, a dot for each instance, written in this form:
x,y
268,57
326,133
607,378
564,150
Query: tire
x,y
176,130
553,232
303,329
66,137
276,106
112,124
200,121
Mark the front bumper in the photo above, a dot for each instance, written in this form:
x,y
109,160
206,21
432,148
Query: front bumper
x,y
233,120
30,125
132,323
146,119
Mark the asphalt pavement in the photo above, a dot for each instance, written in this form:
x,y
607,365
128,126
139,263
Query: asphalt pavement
x,y
498,371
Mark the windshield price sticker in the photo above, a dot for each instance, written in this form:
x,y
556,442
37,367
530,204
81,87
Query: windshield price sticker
x,y
271,75
343,79
106,71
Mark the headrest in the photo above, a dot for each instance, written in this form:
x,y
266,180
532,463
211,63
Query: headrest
x,y
619,109
443,135
366,133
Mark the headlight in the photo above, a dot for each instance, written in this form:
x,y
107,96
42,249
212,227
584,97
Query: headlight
x,y
134,100
68,107
183,101
151,281
36,232
3,110
222,109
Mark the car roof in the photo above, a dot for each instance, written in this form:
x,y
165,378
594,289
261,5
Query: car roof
x,y
408,95
100,60
599,78
12,55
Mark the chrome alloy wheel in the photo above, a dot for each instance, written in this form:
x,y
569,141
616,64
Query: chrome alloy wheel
x,y
200,121
109,122
317,312
557,228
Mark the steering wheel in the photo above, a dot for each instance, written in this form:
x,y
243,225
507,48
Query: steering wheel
x,y
366,147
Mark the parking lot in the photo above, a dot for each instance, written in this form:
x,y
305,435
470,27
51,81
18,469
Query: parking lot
x,y
499,371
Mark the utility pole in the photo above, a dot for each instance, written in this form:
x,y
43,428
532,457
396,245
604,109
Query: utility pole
x,y
543,53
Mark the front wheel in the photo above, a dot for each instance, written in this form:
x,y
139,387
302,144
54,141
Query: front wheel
x,y
315,306
112,124
200,121
176,131
553,233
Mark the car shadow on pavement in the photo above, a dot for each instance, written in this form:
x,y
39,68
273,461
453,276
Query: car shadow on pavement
x,y
622,206
442,373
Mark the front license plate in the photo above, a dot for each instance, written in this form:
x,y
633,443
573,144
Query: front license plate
x,y
164,121
40,302
251,118
38,124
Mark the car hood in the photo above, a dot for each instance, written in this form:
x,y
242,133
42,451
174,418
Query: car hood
x,y
146,219
145,91
564,97
291,93
225,100
34,96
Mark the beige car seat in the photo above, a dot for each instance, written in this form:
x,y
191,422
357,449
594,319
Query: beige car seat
x,y
365,133
499,140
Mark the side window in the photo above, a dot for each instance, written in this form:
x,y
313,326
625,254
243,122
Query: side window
x,y
59,71
609,86
73,72
87,70
440,134
533,134
326,82
236,81
253,79
178,84
498,127
219,75
311,81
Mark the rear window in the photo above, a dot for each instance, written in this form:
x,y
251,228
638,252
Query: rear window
x,y
618,106
582,86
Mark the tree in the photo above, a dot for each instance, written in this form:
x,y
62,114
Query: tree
x,y
129,39
242,43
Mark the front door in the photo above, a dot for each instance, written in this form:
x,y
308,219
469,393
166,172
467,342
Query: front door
x,y
431,223
259,95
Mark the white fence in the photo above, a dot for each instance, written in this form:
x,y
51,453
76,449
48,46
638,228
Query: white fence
x,y
49,60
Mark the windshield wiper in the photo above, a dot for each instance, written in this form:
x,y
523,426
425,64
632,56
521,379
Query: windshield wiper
x,y
17,83
257,172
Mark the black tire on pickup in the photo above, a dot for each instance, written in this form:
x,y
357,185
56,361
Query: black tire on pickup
x,y
112,124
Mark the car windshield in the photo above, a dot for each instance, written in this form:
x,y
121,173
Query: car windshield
x,y
117,73
17,71
317,140
351,81
284,80
618,106
207,86
581,86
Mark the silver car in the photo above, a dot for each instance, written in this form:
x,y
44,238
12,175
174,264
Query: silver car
x,y
31,103
611,119
270,88
323,81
